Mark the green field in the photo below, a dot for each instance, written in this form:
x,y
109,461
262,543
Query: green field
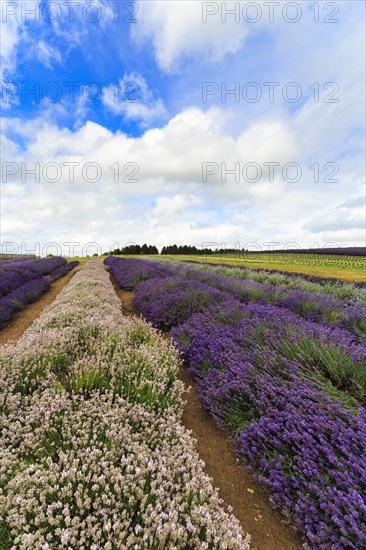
x,y
348,268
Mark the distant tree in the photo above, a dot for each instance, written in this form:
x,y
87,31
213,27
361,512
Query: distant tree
x,y
183,250
132,249
153,250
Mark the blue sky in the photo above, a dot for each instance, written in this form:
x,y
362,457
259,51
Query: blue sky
x,y
172,121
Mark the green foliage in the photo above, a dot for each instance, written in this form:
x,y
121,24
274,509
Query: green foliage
x,y
238,413
91,380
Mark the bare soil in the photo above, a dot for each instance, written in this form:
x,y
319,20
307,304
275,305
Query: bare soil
x,y
13,329
237,487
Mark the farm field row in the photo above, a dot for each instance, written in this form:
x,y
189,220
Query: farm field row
x,y
346,312
319,265
347,292
291,391
94,453
237,486
336,260
24,281
13,329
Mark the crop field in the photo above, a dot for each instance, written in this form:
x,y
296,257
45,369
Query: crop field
x,y
348,268
280,364
94,450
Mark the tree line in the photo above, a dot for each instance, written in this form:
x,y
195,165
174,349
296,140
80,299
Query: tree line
x,y
188,250
135,250
173,250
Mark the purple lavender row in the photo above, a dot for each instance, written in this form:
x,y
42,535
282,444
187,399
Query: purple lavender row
x,y
271,379
30,290
63,270
314,307
305,276
332,353
19,272
128,272
21,296
42,266
172,300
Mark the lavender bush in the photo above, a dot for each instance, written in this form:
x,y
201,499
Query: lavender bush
x,y
12,279
21,296
16,273
129,272
29,292
343,290
7,309
23,282
324,309
169,301
270,388
63,270
318,308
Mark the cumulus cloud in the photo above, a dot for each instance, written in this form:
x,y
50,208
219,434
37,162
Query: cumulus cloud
x,y
159,193
159,181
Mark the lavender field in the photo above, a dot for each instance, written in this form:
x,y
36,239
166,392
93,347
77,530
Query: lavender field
x,y
93,451
280,364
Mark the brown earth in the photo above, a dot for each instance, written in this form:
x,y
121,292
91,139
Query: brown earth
x,y
237,487
13,329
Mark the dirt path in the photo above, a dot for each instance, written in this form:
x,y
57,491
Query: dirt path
x,y
13,329
238,488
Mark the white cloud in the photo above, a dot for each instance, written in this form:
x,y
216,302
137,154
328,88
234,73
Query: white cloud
x,y
11,29
336,221
169,202
46,54
177,30
169,209
170,174
133,99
